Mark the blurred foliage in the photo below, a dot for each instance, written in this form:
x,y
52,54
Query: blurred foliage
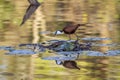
x,y
6,11
40,0
118,9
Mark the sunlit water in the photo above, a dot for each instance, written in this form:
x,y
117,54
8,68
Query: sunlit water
x,y
43,66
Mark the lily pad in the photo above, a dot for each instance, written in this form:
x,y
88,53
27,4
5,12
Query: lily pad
x,y
7,73
90,53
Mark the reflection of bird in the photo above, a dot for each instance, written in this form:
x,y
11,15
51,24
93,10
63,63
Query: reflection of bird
x,y
68,64
34,4
71,65
70,29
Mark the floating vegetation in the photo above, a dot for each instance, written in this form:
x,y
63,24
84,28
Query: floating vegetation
x,y
66,48
90,53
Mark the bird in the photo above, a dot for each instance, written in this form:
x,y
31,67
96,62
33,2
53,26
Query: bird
x,y
34,4
70,64
70,29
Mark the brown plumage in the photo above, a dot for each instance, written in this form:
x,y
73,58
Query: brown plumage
x,y
70,29
70,64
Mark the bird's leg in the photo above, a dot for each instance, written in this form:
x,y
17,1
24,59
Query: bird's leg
x,y
76,36
78,55
69,36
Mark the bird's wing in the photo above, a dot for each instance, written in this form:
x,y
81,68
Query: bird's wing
x,y
33,2
30,10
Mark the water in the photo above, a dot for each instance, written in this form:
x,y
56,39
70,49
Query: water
x,y
29,63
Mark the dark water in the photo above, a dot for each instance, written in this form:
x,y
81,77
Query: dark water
x,y
47,65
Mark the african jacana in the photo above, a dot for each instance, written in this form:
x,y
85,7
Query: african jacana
x,y
70,29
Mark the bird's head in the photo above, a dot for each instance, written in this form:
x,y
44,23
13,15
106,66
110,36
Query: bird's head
x,y
58,32
71,65
58,62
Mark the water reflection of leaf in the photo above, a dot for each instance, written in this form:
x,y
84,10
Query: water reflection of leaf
x,y
90,53
95,38
112,52
110,45
20,52
59,58
6,48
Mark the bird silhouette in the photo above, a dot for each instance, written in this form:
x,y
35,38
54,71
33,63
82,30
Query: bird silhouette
x,y
70,64
34,4
70,29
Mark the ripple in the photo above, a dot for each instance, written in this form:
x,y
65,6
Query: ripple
x,y
68,52
91,53
6,74
110,45
59,58
6,48
20,52
95,38
112,52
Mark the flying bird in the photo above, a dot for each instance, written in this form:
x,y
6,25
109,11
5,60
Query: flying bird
x,y
34,4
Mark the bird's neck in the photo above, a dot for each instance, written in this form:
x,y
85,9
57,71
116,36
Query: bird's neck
x,y
77,26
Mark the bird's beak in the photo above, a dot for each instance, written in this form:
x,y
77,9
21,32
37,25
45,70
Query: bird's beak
x,y
55,33
58,32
